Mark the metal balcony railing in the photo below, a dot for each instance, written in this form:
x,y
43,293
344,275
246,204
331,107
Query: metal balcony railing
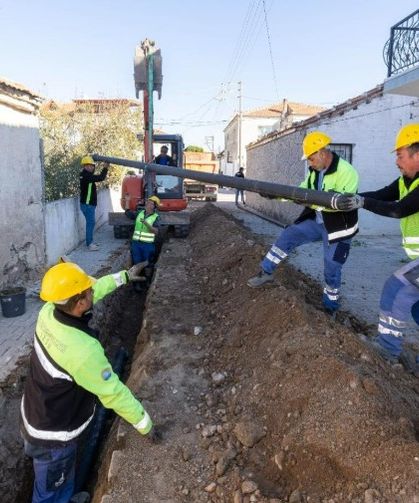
x,y
401,50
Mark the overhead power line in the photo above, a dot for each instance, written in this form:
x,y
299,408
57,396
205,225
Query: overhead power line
x,y
268,35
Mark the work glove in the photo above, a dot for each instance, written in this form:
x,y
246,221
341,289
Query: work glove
x,y
267,196
347,202
134,273
154,435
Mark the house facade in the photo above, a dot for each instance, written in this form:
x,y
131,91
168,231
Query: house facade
x,y
254,124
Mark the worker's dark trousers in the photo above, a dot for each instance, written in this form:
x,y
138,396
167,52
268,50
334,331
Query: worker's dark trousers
x,y
241,194
142,251
54,472
399,296
89,214
334,254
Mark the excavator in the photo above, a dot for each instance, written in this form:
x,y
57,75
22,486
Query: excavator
x,y
135,189
166,181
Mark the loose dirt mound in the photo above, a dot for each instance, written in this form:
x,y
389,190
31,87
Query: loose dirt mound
x,y
261,396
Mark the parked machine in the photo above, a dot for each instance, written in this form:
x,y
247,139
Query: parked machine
x,y
206,163
137,188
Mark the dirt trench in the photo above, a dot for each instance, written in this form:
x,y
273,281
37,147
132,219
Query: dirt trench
x,y
260,396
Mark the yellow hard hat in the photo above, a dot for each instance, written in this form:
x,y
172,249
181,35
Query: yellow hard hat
x,y
314,142
63,281
406,136
155,200
87,159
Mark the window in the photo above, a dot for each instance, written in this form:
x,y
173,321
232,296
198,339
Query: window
x,y
343,150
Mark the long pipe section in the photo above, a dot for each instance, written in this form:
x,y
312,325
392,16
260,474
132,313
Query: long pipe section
x,y
297,194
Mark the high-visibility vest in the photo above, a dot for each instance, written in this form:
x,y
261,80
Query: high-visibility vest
x,y
409,225
141,232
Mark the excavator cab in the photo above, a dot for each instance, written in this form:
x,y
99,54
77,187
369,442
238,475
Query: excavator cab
x,y
168,188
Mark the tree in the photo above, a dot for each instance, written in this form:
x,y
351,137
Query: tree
x,y
68,132
193,148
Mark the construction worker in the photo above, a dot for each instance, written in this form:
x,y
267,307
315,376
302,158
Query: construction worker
x,y
400,294
68,370
240,174
163,158
146,228
326,172
88,196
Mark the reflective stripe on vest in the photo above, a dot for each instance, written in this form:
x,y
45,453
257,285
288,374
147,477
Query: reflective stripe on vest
x,y
141,232
60,436
49,368
409,225
89,193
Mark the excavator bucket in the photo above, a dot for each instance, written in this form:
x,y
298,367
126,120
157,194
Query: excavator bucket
x,y
140,69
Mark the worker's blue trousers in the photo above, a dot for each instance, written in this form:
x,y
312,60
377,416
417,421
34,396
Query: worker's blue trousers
x,y
398,304
335,255
89,214
54,472
142,251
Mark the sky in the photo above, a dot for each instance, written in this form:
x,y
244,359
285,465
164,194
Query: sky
x,y
310,51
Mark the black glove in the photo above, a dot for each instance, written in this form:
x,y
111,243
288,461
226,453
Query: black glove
x,y
267,196
134,273
347,202
154,435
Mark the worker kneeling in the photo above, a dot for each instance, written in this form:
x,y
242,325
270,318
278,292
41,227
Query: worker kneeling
x,y
68,370
326,172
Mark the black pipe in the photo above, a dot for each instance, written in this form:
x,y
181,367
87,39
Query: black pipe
x,y
297,194
96,429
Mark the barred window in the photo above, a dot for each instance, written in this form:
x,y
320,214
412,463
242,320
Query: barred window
x,y
343,150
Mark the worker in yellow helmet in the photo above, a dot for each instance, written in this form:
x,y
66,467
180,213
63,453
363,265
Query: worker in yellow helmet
x,y
147,222
328,172
68,372
400,295
88,196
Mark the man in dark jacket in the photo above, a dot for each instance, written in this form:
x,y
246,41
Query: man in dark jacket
x,y
88,196
163,158
68,372
240,174
327,172
400,295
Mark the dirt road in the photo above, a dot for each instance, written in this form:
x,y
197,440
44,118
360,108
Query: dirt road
x,y
259,395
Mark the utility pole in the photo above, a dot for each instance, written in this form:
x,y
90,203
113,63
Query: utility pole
x,y
209,141
240,124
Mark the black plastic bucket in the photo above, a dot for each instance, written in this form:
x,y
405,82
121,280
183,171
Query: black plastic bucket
x,y
12,302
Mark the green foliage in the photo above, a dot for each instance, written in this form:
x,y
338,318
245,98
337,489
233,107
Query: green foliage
x,y
71,131
193,148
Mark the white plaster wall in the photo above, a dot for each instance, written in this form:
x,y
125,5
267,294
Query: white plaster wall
x,y
22,249
65,224
371,129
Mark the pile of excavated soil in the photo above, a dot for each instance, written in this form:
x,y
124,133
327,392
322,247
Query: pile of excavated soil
x,y
260,396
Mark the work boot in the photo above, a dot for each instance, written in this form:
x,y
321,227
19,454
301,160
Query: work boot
x,y
383,352
260,279
82,497
410,362
93,247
